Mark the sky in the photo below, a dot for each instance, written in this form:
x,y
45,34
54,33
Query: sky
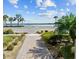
x,y
39,11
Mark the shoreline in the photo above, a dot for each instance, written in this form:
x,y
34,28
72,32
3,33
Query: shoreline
x,y
30,29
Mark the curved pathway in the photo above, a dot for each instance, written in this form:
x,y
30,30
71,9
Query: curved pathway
x,y
33,48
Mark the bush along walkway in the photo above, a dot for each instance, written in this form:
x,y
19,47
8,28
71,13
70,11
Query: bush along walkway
x,y
33,48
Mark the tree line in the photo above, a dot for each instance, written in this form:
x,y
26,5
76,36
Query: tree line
x,y
17,18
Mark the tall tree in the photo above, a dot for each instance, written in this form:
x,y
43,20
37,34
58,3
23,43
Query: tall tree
x,y
55,17
18,17
5,18
67,25
72,30
22,19
11,20
64,23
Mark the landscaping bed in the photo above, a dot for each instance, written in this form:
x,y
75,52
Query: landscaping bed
x,y
12,45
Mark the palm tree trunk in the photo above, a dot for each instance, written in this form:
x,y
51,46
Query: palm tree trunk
x,y
22,23
11,23
5,23
18,23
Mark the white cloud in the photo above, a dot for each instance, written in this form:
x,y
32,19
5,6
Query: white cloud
x,y
73,2
61,9
43,8
49,3
67,4
13,1
25,6
38,2
45,3
49,13
68,9
16,6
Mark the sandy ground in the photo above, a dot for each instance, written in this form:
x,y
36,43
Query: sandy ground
x,y
34,48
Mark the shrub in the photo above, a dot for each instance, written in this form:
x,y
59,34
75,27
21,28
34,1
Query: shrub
x,y
8,31
23,34
46,36
13,37
10,47
41,31
20,37
52,38
16,33
55,39
14,42
38,32
46,30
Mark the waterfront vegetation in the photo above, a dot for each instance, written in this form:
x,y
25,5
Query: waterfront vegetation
x,y
18,18
63,38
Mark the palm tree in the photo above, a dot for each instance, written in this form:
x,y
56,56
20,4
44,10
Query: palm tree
x,y
11,20
67,25
22,19
56,25
5,17
18,17
64,23
72,30
55,17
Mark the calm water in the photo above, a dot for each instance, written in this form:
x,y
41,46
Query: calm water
x,y
32,28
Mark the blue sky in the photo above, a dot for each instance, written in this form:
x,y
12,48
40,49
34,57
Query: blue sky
x,y
39,11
